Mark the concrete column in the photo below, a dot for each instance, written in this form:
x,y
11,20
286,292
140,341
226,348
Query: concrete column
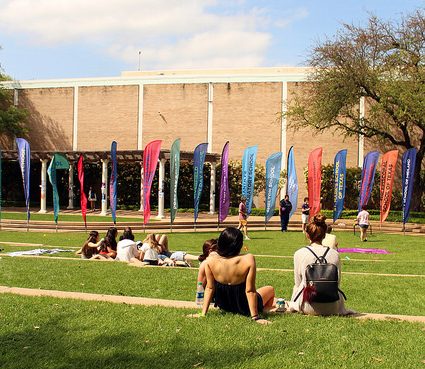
x,y
104,188
283,128
140,119
161,189
71,186
141,187
361,137
43,186
75,120
210,116
212,187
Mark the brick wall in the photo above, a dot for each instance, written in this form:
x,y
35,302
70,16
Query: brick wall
x,y
105,114
50,119
175,111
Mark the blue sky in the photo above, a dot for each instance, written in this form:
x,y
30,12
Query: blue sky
x,y
44,39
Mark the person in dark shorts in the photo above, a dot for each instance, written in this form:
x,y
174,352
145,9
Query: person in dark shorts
x,y
305,212
363,222
243,217
231,279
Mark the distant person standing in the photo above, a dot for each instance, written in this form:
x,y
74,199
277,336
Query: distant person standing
x,y
363,222
243,217
305,212
284,211
92,199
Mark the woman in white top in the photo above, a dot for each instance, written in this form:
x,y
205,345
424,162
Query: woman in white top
x,y
126,247
315,231
363,222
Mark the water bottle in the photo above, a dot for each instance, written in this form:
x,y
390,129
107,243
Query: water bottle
x,y
199,294
280,305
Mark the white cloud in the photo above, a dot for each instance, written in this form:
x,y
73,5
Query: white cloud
x,y
170,33
291,16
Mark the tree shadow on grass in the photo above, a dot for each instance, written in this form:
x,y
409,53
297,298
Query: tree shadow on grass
x,y
62,342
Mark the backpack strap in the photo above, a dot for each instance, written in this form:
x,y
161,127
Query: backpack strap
x,y
309,249
299,294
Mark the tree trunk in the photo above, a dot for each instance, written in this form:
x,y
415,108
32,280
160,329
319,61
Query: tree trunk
x,y
418,185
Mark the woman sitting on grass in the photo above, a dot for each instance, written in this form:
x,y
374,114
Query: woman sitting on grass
x,y
209,248
231,279
108,248
126,247
150,250
305,298
91,245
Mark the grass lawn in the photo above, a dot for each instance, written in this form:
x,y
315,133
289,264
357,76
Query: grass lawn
x,y
52,333
55,333
69,217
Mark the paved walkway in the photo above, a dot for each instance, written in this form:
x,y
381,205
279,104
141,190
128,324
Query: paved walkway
x,y
165,303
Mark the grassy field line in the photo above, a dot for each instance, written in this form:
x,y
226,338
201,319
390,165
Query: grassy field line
x,y
162,302
258,269
353,273
39,245
20,243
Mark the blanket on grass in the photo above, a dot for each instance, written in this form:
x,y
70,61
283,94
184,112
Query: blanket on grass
x,y
38,252
364,251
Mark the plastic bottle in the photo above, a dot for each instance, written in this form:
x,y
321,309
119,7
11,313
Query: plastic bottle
x,y
199,294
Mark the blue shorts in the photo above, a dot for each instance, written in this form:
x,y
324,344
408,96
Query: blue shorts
x,y
178,256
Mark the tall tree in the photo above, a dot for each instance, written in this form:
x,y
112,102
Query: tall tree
x,y
383,62
12,119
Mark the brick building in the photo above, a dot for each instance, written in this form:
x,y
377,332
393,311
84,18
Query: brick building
x,y
242,106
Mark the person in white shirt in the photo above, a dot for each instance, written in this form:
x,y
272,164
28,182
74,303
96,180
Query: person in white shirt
x,y
330,239
363,222
315,232
126,247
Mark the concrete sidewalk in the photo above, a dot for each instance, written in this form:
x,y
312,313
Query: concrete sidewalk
x,y
165,303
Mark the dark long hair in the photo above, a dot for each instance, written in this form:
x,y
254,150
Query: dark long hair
x,y
127,234
230,242
207,248
86,250
110,240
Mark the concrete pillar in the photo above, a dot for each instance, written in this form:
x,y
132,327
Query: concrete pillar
x,y
141,187
43,186
161,189
283,129
104,188
210,116
71,186
212,187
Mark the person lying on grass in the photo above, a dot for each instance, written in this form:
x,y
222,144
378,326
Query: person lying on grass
x,y
91,245
231,280
306,297
108,248
165,256
209,248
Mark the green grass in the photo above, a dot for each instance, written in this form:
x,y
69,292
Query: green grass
x,y
69,217
53,333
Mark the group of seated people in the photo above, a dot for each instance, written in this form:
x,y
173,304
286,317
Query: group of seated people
x,y
153,250
228,276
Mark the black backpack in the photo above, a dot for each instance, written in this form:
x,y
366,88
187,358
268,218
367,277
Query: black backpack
x,y
322,281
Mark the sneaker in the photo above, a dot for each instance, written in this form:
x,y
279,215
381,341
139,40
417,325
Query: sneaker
x,y
247,238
